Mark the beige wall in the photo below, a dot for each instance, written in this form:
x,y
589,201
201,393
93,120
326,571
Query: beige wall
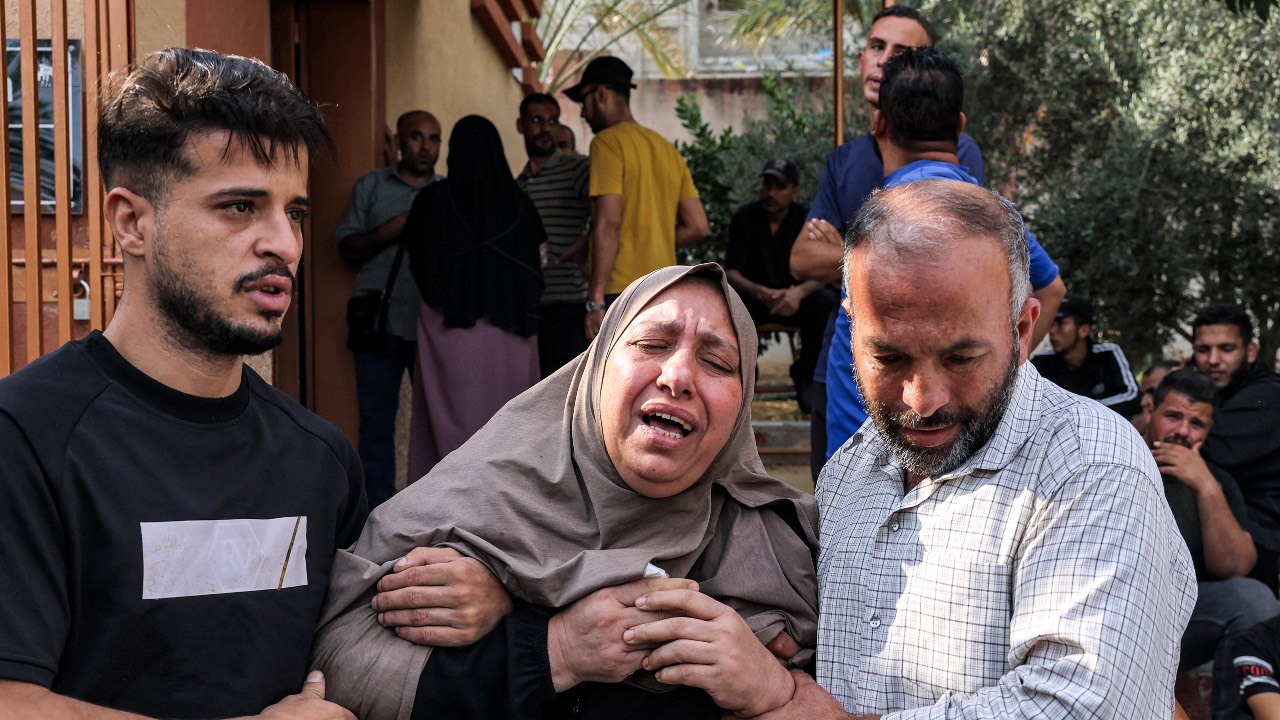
x,y
158,24
439,59
44,19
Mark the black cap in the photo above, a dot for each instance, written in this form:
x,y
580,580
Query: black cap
x,y
1075,305
782,169
604,70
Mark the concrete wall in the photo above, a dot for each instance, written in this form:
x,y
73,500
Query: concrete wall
x,y
725,102
439,59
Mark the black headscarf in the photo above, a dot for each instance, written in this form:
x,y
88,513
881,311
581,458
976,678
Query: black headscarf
x,y
473,238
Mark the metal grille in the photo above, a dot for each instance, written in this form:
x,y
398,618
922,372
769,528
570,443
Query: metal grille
x,y
64,269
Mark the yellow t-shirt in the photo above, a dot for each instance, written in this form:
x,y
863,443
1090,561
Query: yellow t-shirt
x,y
650,175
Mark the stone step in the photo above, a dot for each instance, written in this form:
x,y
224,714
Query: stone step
x,y
782,441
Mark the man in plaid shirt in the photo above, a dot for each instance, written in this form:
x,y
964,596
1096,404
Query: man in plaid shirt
x,y
992,545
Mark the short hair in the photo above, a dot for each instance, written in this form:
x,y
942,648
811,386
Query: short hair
x,y
537,99
1162,365
152,107
921,98
1190,383
1225,314
407,116
922,217
910,13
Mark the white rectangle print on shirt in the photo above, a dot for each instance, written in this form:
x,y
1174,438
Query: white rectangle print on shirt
x,y
208,557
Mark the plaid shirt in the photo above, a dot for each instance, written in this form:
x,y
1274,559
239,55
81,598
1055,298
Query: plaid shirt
x,y
1044,577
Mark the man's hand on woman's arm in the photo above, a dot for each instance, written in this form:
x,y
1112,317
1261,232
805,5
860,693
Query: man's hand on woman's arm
x,y
438,597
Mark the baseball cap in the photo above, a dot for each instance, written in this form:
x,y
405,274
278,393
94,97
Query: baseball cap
x,y
1077,306
604,70
782,169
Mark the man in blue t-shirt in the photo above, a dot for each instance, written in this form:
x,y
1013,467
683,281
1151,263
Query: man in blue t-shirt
x,y
853,172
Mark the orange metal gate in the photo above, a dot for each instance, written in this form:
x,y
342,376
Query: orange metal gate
x,y
64,269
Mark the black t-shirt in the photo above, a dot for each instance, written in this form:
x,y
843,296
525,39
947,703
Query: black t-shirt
x,y
1255,654
1182,501
164,554
763,257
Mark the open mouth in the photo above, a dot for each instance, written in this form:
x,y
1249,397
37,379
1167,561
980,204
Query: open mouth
x,y
667,425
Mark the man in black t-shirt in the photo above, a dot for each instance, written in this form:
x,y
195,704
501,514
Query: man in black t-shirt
x,y
169,519
758,264
1210,513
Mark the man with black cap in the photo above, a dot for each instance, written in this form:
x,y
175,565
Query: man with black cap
x,y
1077,363
758,264
643,202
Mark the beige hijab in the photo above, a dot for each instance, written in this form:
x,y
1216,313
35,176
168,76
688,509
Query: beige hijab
x,y
535,497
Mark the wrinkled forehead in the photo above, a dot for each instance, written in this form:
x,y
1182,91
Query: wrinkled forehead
x,y
1197,408
703,295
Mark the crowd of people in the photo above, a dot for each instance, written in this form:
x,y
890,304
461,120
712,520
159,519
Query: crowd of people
x,y
590,531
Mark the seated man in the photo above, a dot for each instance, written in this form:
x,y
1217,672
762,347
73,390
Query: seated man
x,y
758,264
1256,654
1245,440
1084,367
1209,510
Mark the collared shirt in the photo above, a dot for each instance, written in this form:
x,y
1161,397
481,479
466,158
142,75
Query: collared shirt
x,y
1044,577
559,191
377,197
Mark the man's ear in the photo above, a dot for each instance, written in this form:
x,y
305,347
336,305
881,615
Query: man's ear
x,y
132,219
1251,352
520,125
964,121
879,128
1025,324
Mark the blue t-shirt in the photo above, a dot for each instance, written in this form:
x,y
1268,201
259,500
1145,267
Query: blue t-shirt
x,y
853,170
845,411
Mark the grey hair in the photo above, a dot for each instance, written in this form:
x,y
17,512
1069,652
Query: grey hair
x,y
920,219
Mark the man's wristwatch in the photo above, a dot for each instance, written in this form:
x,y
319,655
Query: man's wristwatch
x,y
595,307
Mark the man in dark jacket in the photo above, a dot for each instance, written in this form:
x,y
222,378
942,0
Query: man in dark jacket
x,y
1245,440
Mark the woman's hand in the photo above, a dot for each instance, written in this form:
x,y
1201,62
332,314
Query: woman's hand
x,y
707,645
584,641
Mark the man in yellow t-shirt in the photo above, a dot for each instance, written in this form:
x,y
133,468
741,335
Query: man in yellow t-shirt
x,y
643,202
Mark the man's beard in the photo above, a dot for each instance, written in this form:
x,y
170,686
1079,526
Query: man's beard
x,y
977,426
191,317
533,149
1237,376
